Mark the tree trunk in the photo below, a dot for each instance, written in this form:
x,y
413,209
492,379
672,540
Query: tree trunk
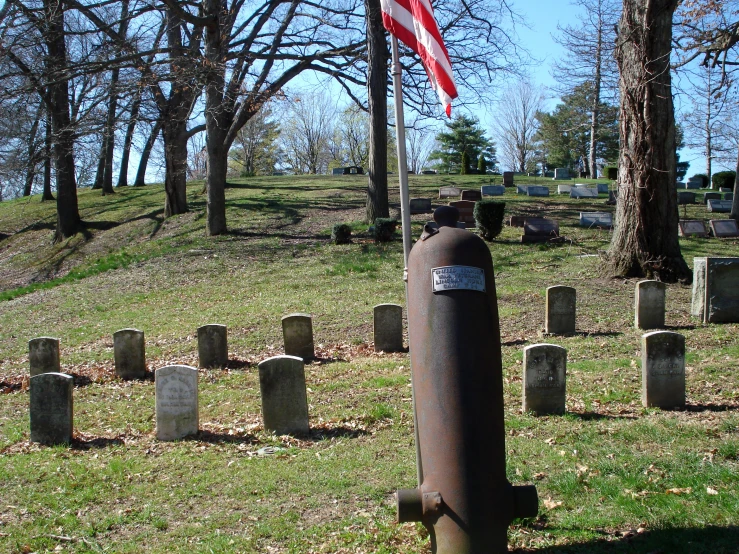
x,y
377,199
32,155
596,104
645,239
128,140
47,195
68,216
216,120
145,153
735,201
174,133
97,184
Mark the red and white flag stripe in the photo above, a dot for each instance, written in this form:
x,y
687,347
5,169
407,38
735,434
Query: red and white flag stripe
x,y
413,23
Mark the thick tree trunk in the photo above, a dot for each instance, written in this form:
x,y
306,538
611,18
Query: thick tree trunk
x,y
47,195
377,199
175,159
145,153
68,216
645,239
216,121
128,141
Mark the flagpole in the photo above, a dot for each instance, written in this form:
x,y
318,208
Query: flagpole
x,y
405,215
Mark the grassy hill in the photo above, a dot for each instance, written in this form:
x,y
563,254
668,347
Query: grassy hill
x,y
611,476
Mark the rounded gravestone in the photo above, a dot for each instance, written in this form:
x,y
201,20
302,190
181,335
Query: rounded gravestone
x,y
297,333
176,402
561,310
51,408
129,354
663,370
213,345
649,305
388,328
43,356
284,397
544,379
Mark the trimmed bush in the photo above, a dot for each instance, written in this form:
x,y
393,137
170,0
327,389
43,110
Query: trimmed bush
x,y
704,179
341,233
384,229
489,218
723,179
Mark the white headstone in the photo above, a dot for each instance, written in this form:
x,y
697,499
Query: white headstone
x,y
649,305
176,402
564,189
600,220
43,355
532,190
583,192
544,379
297,332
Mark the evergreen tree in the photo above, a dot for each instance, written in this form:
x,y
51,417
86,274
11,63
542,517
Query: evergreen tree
x,y
463,135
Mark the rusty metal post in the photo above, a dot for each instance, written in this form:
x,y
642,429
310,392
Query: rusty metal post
x,y
465,500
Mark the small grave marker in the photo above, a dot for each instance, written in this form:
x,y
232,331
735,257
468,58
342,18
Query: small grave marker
x,y
564,189
602,188
43,356
449,192
537,191
508,178
388,327
711,196
649,305
724,228
680,185
517,220
213,345
544,379
694,184
51,409
176,402
725,189
466,212
685,197
284,397
539,229
561,173
492,190
561,310
583,192
599,220
420,205
522,189
297,333
729,196
692,228
129,354
473,195
719,206
663,370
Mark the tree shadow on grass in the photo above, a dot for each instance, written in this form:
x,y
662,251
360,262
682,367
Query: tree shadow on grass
x,y
712,408
712,539
222,438
96,443
595,416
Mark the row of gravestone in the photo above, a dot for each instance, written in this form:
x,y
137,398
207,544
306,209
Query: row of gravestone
x,y
297,329
561,308
542,229
663,374
720,201
720,228
281,383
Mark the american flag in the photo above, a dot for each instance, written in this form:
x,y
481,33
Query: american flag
x,y
413,23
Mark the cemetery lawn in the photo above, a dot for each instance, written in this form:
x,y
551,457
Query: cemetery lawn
x,y
611,476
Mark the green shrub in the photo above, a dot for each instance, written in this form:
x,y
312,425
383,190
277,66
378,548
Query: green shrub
x,y
723,179
465,168
384,229
703,177
341,233
489,218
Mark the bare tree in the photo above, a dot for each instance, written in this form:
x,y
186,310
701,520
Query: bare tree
x,y
589,58
645,240
354,130
306,132
517,125
419,145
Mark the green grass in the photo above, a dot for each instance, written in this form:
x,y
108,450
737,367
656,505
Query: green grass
x,y
611,475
